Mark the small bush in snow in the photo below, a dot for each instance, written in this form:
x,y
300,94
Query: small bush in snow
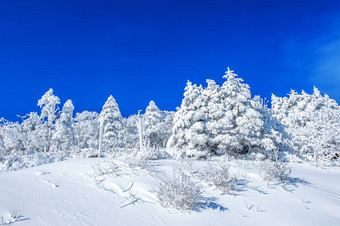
x,y
102,172
110,169
135,164
179,192
14,216
152,154
277,170
258,156
219,176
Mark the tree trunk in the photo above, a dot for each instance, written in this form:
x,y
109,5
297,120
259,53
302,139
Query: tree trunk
x,y
101,130
140,131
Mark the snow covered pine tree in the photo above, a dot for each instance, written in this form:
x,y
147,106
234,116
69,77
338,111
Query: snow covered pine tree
x,y
48,104
313,122
220,120
189,136
111,127
64,129
154,123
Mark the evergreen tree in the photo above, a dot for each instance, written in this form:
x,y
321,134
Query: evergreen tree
x,y
11,138
220,120
86,132
34,131
48,104
111,123
167,126
131,136
189,136
64,132
236,124
152,125
312,122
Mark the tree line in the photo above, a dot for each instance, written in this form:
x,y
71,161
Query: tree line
x,y
213,120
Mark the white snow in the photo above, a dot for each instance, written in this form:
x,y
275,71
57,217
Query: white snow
x,y
65,193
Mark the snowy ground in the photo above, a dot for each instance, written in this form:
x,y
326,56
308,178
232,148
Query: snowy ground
x,y
65,193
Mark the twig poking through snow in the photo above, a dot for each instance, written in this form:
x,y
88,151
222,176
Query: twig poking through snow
x,y
248,207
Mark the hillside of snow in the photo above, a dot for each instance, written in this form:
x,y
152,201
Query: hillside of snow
x,y
123,192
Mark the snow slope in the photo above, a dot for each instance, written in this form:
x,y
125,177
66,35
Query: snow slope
x,y
65,193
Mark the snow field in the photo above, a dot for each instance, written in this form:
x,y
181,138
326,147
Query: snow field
x,y
114,192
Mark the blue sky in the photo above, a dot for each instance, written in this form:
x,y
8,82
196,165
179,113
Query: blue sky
x,y
146,50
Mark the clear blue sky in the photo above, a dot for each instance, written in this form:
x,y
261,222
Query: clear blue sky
x,y
146,50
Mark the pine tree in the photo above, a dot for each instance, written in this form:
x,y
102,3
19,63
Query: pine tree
x,y
311,121
86,132
189,136
167,126
111,125
11,138
152,123
228,122
48,104
131,136
33,128
222,120
64,132
248,126
86,129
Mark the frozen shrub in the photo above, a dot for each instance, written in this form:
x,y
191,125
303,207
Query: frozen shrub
x,y
110,169
219,176
136,164
178,192
102,172
258,156
152,154
14,216
277,170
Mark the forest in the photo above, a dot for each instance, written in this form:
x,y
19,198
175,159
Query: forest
x,y
212,120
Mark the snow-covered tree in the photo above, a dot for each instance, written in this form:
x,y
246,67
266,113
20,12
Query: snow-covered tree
x,y
189,137
48,104
273,137
167,125
312,121
111,123
3,146
34,131
152,125
64,131
86,131
11,137
131,131
236,121
222,120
